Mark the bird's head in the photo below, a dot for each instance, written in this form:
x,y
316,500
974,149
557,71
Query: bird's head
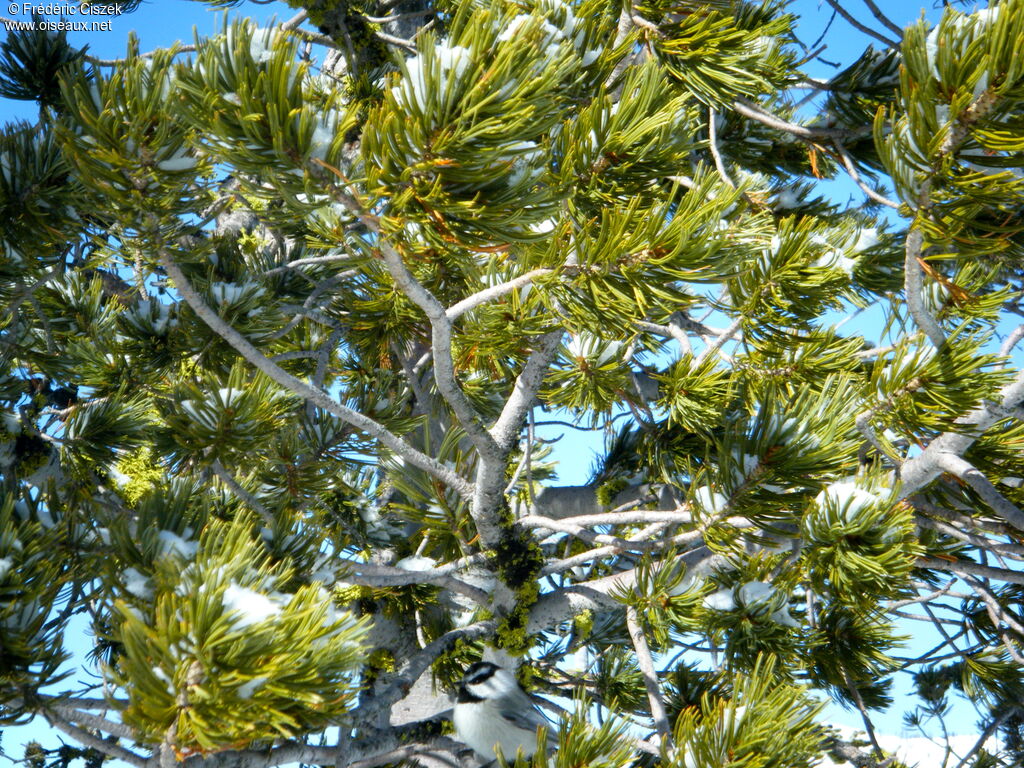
x,y
485,680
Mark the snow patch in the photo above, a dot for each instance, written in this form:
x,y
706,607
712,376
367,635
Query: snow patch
x,y
246,690
416,563
180,161
250,607
710,501
785,199
722,600
850,500
173,544
136,584
450,63
261,44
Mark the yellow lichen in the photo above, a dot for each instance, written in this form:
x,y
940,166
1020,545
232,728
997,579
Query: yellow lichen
x,y
142,473
382,660
583,624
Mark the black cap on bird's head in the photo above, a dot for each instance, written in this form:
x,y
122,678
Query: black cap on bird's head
x,y
475,682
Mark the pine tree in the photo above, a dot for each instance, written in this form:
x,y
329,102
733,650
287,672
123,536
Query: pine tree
x,y
281,315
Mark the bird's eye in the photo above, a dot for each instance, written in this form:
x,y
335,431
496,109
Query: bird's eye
x,y
479,675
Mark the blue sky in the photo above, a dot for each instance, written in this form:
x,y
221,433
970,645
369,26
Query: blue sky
x,y
160,23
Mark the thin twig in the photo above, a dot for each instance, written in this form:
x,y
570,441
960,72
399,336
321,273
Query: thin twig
x,y
859,701
984,488
914,289
862,27
255,504
82,736
323,400
851,169
713,146
885,20
400,42
719,341
968,568
998,616
488,294
755,112
646,664
312,260
987,734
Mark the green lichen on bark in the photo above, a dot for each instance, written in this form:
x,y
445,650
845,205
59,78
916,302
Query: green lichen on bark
x,y
517,559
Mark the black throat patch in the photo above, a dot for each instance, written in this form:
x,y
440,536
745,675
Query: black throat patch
x,y
465,697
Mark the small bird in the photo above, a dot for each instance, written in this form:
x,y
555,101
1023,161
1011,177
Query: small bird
x,y
492,714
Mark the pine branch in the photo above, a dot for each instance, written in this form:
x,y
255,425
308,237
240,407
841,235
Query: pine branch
x,y
719,341
255,504
754,112
1011,341
920,470
555,607
428,464
992,727
599,553
1015,551
310,261
964,521
506,429
984,487
525,461
869,727
307,309
862,27
460,308
846,751
646,664
295,21
374,575
968,568
914,289
999,617
867,429
580,532
437,751
851,169
716,155
670,331
885,20
150,54
87,720
868,354
371,747
441,346
441,330
490,477
82,702
679,515
95,742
